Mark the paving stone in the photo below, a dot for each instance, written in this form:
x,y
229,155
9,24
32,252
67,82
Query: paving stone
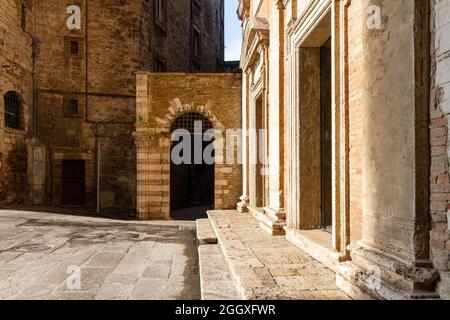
x,y
115,291
112,257
150,289
158,270
216,280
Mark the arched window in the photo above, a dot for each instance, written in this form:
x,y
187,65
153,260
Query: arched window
x,y
12,110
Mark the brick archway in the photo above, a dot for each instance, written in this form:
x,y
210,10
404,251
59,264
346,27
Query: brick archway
x,y
176,109
153,162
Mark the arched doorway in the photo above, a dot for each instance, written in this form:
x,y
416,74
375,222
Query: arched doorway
x,y
192,180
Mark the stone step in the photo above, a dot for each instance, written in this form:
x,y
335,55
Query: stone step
x,y
205,232
216,282
266,267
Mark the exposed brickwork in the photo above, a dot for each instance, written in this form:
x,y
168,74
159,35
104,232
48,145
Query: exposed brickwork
x,y
355,78
15,75
161,99
440,146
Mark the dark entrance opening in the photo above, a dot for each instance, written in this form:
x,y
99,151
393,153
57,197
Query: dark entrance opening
x,y
73,182
325,135
260,140
191,182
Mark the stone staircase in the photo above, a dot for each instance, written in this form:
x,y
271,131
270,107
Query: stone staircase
x,y
240,261
216,282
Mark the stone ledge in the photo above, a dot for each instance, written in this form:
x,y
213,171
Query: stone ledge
x,y
316,243
397,280
216,282
205,232
267,267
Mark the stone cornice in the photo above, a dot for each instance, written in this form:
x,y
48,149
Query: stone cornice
x,y
256,32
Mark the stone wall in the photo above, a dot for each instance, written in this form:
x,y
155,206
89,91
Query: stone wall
x,y
440,146
114,42
172,43
161,98
15,75
100,78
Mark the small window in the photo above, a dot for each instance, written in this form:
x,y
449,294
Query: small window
x,y
12,110
72,107
74,47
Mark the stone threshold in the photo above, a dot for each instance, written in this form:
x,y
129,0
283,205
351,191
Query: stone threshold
x,y
266,267
316,243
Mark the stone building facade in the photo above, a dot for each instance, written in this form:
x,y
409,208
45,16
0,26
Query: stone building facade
x,y
16,78
85,57
162,99
357,157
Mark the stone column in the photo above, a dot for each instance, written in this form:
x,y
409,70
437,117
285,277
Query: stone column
x,y
395,156
275,72
242,206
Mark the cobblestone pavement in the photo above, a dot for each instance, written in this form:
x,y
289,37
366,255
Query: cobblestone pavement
x,y
267,267
40,254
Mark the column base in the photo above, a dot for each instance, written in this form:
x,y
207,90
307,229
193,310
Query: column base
x,y
270,220
384,277
242,205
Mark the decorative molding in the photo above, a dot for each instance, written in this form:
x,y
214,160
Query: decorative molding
x,y
256,34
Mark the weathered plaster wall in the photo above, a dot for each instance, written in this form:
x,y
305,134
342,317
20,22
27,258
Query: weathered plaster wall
x,y
15,75
440,146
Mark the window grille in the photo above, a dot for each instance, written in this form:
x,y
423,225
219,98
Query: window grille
x,y
12,110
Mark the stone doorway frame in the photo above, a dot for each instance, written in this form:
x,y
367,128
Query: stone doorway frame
x,y
153,145
298,33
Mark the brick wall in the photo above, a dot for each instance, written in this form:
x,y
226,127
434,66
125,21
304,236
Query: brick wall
x,y
161,99
115,41
15,75
440,146
355,77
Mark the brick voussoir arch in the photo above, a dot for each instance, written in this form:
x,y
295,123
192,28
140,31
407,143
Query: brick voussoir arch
x,y
176,109
163,126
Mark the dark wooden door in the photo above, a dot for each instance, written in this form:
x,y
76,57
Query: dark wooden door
x,y
73,181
